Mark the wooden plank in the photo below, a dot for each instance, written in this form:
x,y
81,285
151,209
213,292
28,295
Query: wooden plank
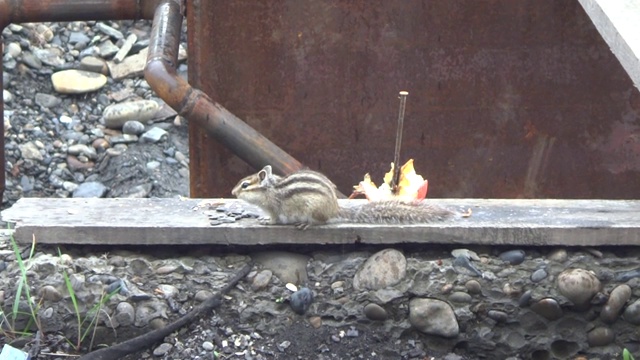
x,y
182,221
618,22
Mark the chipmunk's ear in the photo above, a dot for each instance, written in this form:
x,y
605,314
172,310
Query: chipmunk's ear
x,y
265,172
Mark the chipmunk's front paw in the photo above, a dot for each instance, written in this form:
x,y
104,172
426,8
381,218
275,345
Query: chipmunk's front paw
x,y
265,220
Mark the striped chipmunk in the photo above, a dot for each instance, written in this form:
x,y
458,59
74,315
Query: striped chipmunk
x,y
306,198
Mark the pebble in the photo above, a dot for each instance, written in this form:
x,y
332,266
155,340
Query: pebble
x,y
469,254
499,316
7,96
77,81
30,151
116,115
208,346
13,49
513,257
110,31
94,64
433,316
539,275
154,135
600,336
107,49
559,255
29,59
162,350
547,308
125,314
315,322
375,312
261,280
286,266
47,101
473,287
301,300
617,299
90,189
460,297
81,149
202,295
133,127
383,269
578,285
632,313
50,293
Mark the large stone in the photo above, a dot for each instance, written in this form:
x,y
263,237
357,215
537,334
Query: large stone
x,y
116,115
578,285
385,268
433,316
77,81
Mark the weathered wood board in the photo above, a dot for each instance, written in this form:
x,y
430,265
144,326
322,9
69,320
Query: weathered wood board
x,y
618,22
185,221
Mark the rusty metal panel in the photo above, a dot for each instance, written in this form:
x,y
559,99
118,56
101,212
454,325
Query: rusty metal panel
x,y
508,99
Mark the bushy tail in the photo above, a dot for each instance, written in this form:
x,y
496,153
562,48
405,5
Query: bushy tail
x,y
394,212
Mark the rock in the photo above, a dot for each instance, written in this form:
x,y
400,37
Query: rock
x,y
547,308
434,317
513,257
539,275
126,47
123,139
110,31
499,316
375,312
47,101
559,255
76,164
617,299
50,293
154,135
473,287
107,49
288,267
13,49
301,300
383,269
632,313
81,149
50,56
30,151
77,81
162,350
91,189
460,297
94,64
469,254
207,346
7,96
578,285
116,115
600,336
32,61
125,314
261,280
133,127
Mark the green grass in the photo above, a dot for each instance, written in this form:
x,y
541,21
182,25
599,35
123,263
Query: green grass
x,y
86,323
626,355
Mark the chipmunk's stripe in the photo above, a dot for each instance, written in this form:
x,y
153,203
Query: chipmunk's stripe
x,y
303,189
308,179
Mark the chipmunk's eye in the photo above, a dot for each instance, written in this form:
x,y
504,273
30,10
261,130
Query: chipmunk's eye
x,y
245,185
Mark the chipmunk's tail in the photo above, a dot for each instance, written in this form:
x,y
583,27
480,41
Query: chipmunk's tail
x,y
394,212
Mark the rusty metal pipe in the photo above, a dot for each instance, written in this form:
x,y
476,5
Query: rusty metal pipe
x,y
195,105
19,11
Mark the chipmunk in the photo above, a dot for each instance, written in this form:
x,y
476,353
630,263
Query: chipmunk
x,y
307,198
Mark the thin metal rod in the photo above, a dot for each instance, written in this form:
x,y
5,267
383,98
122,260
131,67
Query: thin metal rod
x,y
396,154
